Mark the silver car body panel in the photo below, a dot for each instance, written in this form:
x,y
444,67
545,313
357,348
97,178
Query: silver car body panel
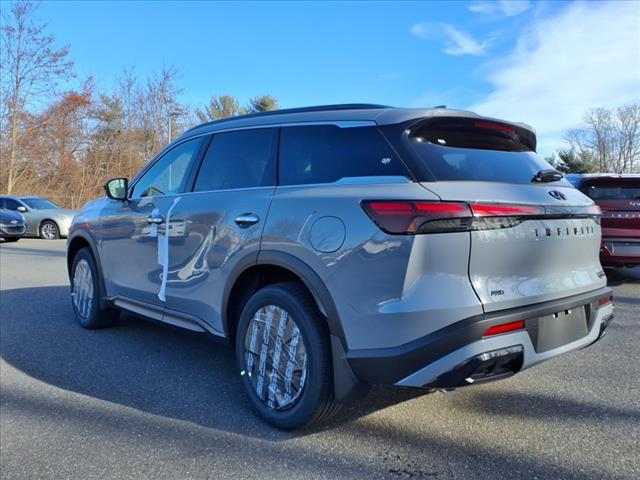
x,y
386,290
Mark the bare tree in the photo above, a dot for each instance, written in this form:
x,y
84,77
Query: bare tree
x,y
31,66
610,137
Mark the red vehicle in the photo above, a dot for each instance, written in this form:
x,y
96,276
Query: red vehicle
x,y
619,198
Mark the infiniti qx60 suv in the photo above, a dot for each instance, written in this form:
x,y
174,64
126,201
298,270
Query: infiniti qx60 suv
x,y
343,246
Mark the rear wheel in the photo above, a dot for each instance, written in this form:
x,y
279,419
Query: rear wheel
x,y
49,230
85,292
284,357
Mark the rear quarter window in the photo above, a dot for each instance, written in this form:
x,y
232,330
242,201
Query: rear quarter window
x,y
327,153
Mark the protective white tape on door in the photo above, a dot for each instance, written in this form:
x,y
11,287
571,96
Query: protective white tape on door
x,y
163,251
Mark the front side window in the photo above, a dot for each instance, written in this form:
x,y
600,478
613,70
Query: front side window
x,y
241,159
11,204
169,174
327,153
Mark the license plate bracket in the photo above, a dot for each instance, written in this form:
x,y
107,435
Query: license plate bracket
x,y
560,328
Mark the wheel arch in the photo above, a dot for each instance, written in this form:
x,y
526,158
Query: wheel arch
x,y
74,245
278,266
55,222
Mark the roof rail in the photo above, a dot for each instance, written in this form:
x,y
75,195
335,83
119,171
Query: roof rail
x,y
318,108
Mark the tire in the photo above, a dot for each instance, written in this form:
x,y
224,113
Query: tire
x,y
85,292
49,230
294,397
10,239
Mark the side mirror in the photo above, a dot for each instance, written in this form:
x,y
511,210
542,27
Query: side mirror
x,y
21,209
116,188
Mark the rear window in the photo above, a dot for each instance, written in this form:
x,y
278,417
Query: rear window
x,y
327,153
470,149
613,190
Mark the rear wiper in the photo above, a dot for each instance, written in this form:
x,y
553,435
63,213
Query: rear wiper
x,y
548,175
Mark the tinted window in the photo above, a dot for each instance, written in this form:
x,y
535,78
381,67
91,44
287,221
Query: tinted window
x,y
622,190
241,159
470,153
11,204
327,153
169,174
39,203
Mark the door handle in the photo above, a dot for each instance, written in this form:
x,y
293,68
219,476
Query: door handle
x,y
155,220
247,219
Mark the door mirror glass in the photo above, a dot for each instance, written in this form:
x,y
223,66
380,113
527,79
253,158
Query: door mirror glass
x,y
116,188
21,209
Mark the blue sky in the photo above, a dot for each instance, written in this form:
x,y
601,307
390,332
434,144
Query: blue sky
x,y
544,63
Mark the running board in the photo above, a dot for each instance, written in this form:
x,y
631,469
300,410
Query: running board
x,y
160,314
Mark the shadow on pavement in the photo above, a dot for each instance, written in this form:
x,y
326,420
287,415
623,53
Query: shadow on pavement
x,y
619,276
150,367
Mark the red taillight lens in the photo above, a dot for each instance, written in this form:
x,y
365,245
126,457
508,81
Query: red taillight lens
x,y
491,210
408,217
604,301
504,328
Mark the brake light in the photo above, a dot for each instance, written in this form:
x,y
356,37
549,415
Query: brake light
x,y
494,126
504,328
415,217
489,210
408,217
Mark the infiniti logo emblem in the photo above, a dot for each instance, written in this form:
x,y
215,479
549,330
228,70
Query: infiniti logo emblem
x,y
557,195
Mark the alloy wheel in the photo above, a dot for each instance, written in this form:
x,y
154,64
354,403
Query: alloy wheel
x,y
275,357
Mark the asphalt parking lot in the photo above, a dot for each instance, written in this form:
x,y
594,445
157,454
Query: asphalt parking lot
x,y
141,400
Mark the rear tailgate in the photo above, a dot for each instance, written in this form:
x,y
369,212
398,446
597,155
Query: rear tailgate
x,y
537,260
533,236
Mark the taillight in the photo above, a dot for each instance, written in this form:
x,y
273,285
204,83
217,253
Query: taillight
x,y
504,328
415,217
407,217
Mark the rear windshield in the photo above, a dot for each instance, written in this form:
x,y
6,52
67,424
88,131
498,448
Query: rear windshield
x,y
613,191
474,150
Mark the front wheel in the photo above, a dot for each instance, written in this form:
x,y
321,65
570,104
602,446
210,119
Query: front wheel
x,y
85,292
49,230
284,357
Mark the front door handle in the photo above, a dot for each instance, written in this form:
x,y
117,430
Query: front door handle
x,y
247,219
155,220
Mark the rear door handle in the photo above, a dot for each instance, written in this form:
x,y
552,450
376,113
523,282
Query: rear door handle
x,y
247,219
155,220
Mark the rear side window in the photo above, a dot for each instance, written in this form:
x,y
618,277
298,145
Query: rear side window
x,y
241,159
471,150
613,190
327,153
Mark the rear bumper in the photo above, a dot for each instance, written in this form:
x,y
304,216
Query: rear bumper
x,y
619,252
448,357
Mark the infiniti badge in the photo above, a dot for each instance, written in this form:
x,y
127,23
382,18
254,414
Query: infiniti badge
x,y
557,195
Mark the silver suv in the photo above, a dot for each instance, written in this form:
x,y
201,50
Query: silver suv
x,y
343,246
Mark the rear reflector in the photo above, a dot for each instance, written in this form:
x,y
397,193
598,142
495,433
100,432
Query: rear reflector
x,y
604,301
505,328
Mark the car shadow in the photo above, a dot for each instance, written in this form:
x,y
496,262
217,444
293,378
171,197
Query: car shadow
x,y
144,365
619,276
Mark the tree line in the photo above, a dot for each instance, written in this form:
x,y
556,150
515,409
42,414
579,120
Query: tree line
x,y
65,143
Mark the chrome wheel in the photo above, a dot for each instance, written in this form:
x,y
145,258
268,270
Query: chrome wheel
x,y
83,288
49,231
275,357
